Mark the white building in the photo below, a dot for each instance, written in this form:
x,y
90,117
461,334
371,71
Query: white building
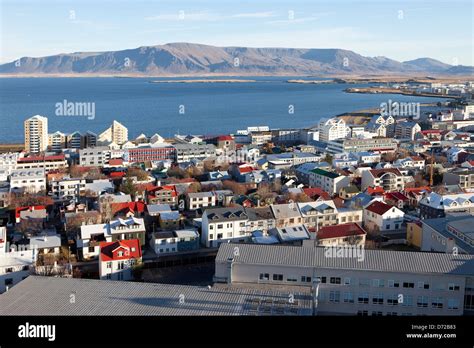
x,y
381,217
328,181
198,200
220,225
28,180
117,259
94,156
333,129
36,134
117,133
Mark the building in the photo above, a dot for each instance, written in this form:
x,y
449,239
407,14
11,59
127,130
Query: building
x,y
94,156
463,178
434,205
28,180
451,234
36,134
381,217
198,200
117,134
57,141
46,162
378,145
286,215
88,243
292,235
169,242
163,195
332,129
372,282
344,234
188,152
329,181
407,130
38,296
260,219
390,179
117,259
150,153
220,225
73,188
318,214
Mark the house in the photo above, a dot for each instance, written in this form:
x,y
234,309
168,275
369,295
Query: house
x,y
162,195
451,234
220,225
319,213
168,242
463,178
293,235
316,193
390,179
415,194
456,155
328,181
344,234
128,209
366,157
347,192
397,199
381,217
261,219
200,200
117,259
218,175
91,236
410,162
170,220
28,180
286,215
435,205
407,130
46,243
73,188
414,233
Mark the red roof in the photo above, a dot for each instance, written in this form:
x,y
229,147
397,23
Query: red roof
x,y
151,190
417,189
41,158
31,207
125,207
109,251
115,162
417,158
344,230
245,169
379,208
225,138
316,192
117,174
375,191
397,196
431,131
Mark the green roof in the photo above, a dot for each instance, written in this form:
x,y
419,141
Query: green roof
x,y
325,173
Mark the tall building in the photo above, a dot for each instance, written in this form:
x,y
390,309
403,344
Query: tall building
x,y
36,134
333,129
117,133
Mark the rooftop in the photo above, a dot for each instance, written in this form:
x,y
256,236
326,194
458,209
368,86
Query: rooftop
x,y
36,296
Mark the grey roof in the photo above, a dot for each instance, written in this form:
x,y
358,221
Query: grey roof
x,y
255,214
226,214
374,260
462,223
51,296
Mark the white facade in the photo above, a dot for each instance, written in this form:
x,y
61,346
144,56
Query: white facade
x,y
36,134
390,220
28,180
333,129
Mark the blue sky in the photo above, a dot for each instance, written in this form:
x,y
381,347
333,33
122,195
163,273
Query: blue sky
x,y
402,30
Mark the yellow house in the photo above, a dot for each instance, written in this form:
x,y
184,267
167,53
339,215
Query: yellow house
x,y
414,233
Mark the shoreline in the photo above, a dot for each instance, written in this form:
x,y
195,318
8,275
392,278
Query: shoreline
x,y
204,81
375,90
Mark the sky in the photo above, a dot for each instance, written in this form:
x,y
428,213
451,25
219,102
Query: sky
x,y
401,30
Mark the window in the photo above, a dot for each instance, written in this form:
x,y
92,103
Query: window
x,y
108,276
91,249
377,299
377,283
334,296
219,226
408,285
453,287
393,284
120,253
109,264
305,279
211,236
278,277
323,280
363,313
363,298
377,314
392,300
335,280
348,297
8,281
9,270
422,302
291,279
347,281
423,285
437,302
363,282
453,303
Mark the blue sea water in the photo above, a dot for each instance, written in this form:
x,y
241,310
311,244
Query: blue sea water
x,y
209,108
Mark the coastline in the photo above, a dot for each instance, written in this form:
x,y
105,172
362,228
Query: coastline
x,y
376,90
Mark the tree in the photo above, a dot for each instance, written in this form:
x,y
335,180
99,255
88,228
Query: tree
x,y
237,188
139,173
178,173
75,222
194,187
128,187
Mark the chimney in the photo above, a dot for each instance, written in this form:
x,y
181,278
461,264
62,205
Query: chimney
x,y
230,265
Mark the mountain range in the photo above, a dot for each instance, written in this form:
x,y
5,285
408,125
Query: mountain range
x,y
189,59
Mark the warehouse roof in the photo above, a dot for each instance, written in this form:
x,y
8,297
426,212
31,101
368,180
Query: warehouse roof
x,y
51,296
374,260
